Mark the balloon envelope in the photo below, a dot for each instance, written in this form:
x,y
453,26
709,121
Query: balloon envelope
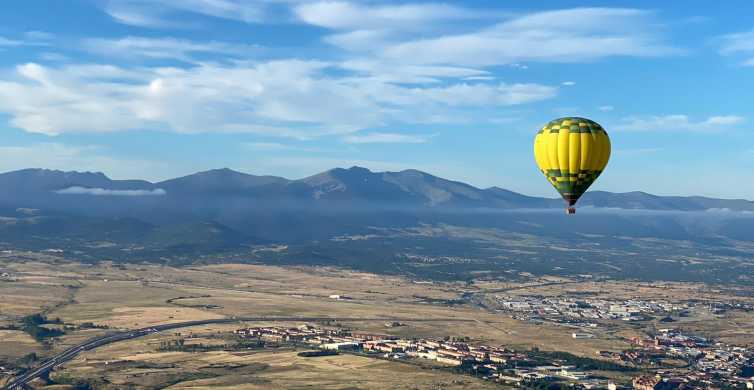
x,y
572,152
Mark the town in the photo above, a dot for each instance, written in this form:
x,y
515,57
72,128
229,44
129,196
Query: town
x,y
588,311
709,364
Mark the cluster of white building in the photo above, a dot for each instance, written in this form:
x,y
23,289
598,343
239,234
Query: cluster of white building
x,y
439,259
495,361
584,309
713,363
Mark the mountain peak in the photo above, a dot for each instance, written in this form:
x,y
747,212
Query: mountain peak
x,y
357,168
220,171
57,172
352,170
219,180
47,179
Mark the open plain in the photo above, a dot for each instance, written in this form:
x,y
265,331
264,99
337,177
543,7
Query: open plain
x,y
91,300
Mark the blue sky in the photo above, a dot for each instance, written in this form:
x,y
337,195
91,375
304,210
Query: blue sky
x,y
162,88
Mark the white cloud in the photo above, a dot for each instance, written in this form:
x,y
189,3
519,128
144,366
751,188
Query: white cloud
x,y
417,74
678,122
479,78
289,98
568,83
10,42
389,39
571,35
724,120
466,95
29,38
107,192
386,138
164,13
164,48
344,14
606,108
739,44
355,40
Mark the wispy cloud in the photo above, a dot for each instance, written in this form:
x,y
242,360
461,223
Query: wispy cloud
x,y
107,192
166,13
741,43
29,38
568,83
386,37
606,108
386,138
678,123
165,48
571,35
38,36
10,42
354,15
288,98
419,74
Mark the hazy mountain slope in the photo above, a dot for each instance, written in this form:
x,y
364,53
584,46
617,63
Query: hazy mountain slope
x,y
642,200
41,180
237,198
218,182
358,185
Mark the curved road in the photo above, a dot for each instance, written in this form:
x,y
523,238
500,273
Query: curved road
x,y
48,365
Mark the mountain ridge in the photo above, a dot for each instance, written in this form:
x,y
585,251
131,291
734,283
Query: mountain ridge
x,y
354,185
224,211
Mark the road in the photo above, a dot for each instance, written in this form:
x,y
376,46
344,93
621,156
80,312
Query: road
x,y
48,365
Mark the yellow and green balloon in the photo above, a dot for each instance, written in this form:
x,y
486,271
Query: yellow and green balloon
x,y
572,152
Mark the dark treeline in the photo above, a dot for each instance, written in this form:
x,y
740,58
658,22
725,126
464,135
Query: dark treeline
x,y
31,324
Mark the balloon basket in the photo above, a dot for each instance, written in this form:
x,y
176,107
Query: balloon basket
x,y
571,210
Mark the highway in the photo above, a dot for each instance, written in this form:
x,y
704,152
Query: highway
x,y
48,365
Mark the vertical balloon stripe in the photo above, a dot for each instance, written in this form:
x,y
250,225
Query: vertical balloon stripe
x,y
563,150
540,154
604,152
574,152
594,158
552,150
586,147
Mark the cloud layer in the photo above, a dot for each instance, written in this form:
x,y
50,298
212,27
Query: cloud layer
x,y
288,98
395,64
679,122
741,43
107,192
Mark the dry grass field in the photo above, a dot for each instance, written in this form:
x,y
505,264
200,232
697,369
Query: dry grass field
x,y
15,343
136,364
135,296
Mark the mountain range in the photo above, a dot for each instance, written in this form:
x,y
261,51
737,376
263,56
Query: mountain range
x,y
89,214
356,186
406,222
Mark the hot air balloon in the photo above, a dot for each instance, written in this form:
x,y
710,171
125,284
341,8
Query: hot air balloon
x,y
572,152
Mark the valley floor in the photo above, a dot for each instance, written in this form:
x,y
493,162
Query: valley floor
x,y
90,300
